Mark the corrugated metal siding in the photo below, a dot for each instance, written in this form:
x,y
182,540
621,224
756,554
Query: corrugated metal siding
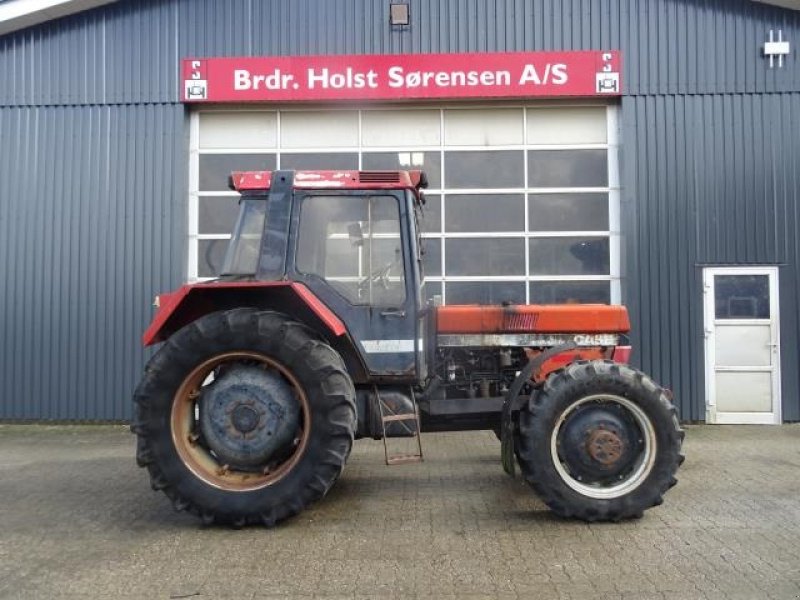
x,y
93,167
707,180
92,225
129,51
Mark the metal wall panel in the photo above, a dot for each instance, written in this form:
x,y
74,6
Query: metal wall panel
x,y
93,165
92,225
707,180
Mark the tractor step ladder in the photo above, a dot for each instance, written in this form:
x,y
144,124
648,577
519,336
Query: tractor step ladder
x,y
387,416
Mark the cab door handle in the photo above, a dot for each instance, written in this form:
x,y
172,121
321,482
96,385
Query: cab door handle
x,y
397,313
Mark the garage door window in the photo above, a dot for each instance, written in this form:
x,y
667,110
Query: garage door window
x,y
523,204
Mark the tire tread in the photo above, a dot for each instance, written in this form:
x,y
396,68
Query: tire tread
x,y
217,330
533,459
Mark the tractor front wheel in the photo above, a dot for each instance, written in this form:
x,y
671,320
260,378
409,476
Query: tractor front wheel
x,y
599,442
244,416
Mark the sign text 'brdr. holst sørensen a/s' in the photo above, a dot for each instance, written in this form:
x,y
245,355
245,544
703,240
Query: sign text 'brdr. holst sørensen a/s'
x,y
414,76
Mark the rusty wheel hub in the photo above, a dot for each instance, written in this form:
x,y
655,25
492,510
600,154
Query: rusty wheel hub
x,y
245,419
599,442
604,446
248,416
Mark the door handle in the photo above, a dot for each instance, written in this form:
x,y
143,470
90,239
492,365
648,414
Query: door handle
x,y
397,313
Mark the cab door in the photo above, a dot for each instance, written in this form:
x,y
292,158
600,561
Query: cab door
x,y
353,252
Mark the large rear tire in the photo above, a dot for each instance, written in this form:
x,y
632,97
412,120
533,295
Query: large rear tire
x,y
599,442
244,416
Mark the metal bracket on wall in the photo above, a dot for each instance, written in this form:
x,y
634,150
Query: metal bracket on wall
x,y
773,48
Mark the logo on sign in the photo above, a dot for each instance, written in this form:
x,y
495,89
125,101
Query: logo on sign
x,y
196,87
607,80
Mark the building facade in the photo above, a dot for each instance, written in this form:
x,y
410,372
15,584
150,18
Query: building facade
x,y
677,196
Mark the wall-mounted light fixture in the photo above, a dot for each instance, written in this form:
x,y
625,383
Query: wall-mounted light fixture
x,y
398,15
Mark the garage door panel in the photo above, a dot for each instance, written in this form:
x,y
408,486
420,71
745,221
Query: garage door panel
x,y
483,127
567,168
482,257
567,125
492,292
485,212
570,292
400,128
484,169
324,129
570,212
217,214
216,168
240,130
430,162
319,160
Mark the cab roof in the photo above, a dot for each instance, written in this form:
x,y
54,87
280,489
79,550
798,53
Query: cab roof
x,y
358,180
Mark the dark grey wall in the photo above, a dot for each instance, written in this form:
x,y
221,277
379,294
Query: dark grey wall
x,y
93,165
707,180
92,223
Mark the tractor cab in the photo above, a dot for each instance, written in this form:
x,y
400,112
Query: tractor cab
x,y
350,237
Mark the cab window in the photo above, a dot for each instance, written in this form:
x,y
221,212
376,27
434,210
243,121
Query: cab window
x,y
354,244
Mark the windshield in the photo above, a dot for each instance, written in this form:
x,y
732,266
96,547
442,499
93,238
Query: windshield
x,y
245,245
353,242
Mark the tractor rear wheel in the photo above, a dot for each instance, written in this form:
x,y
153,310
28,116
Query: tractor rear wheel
x,y
244,416
599,442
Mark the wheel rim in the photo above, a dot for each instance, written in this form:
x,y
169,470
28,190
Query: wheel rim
x,y
606,447
200,459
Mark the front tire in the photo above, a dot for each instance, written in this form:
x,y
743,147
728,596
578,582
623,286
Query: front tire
x,y
244,416
599,442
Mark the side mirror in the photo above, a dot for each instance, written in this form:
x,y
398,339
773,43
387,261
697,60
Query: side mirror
x,y
355,234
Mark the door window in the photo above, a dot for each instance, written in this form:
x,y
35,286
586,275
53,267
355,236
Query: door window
x,y
741,297
353,243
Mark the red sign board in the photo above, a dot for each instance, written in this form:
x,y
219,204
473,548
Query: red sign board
x,y
402,76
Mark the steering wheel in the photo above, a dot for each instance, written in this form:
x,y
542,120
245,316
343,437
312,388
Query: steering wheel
x,y
379,275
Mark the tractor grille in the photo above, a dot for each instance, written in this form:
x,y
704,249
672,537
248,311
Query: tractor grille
x,y
378,177
520,321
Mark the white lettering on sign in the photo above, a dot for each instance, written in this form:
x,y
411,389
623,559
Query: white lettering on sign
x,y
244,80
555,74
399,78
349,79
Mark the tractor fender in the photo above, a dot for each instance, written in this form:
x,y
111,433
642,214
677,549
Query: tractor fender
x,y
512,402
190,302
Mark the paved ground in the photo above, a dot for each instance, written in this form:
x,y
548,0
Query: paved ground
x,y
78,519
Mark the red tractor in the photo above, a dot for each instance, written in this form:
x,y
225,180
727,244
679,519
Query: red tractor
x,y
316,334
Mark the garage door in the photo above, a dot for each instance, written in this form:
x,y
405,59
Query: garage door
x,y
523,203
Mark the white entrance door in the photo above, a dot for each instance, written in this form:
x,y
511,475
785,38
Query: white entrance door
x,y
742,347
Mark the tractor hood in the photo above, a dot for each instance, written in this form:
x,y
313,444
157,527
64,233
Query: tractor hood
x,y
532,318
